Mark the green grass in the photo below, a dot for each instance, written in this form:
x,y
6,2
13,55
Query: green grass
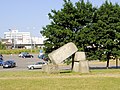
x,y
106,79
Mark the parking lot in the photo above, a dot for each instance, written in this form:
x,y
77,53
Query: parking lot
x,y
21,63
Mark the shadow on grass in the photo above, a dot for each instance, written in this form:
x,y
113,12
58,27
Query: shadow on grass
x,y
66,71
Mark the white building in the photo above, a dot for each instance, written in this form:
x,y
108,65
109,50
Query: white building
x,y
22,39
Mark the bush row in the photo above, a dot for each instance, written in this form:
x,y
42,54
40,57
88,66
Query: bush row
x,y
17,51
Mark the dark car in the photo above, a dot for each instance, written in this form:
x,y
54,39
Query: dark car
x,y
1,57
26,55
1,62
9,64
22,53
44,57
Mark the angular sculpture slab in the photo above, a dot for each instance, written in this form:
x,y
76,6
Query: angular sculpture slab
x,y
79,56
62,53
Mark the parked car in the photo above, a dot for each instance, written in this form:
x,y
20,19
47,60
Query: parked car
x,y
1,62
9,63
44,57
37,65
26,55
22,53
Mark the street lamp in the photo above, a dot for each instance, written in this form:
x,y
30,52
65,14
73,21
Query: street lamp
x,y
14,39
31,41
10,36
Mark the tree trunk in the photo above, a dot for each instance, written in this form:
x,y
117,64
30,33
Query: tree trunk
x,y
72,61
117,62
107,63
108,58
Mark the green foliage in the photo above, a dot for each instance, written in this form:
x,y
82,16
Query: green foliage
x,y
2,46
85,25
66,24
105,28
68,61
17,51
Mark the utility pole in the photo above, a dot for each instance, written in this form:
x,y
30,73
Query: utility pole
x,y
14,39
11,37
31,41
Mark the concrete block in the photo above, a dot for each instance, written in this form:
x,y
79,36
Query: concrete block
x,y
79,56
50,68
84,66
76,67
62,53
81,66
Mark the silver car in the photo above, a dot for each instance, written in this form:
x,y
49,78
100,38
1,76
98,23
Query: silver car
x,y
22,53
37,65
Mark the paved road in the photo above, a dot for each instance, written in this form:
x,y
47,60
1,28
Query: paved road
x,y
21,63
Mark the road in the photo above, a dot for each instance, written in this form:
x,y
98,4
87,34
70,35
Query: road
x,y
21,63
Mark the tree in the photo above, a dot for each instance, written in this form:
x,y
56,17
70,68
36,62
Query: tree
x,y
66,24
108,24
2,46
104,32
94,30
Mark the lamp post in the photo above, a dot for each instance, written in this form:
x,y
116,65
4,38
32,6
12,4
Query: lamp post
x,y
14,39
31,41
10,33
10,36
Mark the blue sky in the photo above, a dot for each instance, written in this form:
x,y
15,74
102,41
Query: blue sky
x,y
31,15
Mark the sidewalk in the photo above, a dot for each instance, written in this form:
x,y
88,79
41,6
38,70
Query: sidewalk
x,y
102,64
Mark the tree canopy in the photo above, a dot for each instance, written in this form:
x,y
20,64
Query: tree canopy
x,y
94,30
2,46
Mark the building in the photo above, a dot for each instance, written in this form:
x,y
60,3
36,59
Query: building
x,y
16,39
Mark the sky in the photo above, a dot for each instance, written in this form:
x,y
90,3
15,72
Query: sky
x,y
31,15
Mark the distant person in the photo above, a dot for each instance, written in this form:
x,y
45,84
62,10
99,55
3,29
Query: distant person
x,y
1,57
40,54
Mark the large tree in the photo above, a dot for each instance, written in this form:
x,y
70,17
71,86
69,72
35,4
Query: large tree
x,y
67,23
103,34
108,29
94,30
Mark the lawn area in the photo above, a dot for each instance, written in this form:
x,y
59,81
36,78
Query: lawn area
x,y
100,79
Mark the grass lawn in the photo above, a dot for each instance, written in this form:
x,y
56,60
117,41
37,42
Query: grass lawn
x,y
100,79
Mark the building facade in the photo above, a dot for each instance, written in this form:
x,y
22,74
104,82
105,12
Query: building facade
x,y
18,39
